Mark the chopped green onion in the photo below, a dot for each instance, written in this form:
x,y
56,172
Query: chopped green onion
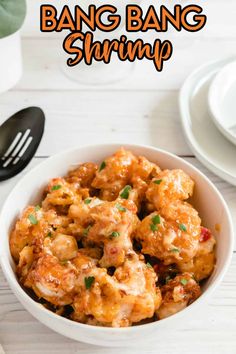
x,y
125,193
64,262
49,234
168,278
88,281
120,208
156,220
182,227
158,181
149,265
114,234
87,201
153,227
33,219
56,187
176,250
37,208
86,231
102,166
184,281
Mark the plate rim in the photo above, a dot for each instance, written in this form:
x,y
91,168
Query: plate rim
x,y
212,97
185,117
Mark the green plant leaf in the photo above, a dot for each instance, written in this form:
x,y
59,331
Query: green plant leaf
x,y
12,15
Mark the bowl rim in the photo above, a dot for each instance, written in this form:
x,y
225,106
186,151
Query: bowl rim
x,y
23,297
213,102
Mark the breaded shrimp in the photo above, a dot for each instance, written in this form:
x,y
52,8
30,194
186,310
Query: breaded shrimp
x,y
177,294
60,195
112,225
52,280
83,175
202,265
31,229
173,235
126,297
113,174
119,244
170,185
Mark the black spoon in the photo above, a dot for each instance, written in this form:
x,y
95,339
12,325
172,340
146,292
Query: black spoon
x,y
20,136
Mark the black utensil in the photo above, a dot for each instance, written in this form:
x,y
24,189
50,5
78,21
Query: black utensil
x,y
20,136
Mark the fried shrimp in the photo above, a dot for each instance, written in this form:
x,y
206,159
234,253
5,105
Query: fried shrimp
x,y
115,245
177,294
127,297
113,174
202,265
170,185
171,236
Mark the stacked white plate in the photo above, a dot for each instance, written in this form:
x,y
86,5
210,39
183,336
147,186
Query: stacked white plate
x,y
208,113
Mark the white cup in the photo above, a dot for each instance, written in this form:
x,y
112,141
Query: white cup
x,y
10,61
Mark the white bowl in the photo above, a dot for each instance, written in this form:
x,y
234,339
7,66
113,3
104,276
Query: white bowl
x,y
222,101
207,200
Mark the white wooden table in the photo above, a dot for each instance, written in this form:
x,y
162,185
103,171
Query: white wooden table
x,y
141,109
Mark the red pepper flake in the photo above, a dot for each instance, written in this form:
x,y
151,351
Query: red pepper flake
x,y
156,267
205,234
113,250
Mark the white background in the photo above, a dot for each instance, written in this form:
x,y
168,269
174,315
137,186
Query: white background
x,y
143,108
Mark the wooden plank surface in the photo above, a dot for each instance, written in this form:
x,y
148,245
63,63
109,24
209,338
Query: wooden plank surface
x,y
138,117
43,70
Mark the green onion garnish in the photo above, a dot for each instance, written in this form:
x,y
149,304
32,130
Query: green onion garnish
x,y
87,201
86,231
182,227
56,187
125,193
168,278
175,250
156,220
114,234
64,262
120,207
102,166
33,219
184,281
88,281
153,227
158,181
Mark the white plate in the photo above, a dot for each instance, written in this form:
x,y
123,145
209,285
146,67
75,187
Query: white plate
x,y
205,140
222,101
